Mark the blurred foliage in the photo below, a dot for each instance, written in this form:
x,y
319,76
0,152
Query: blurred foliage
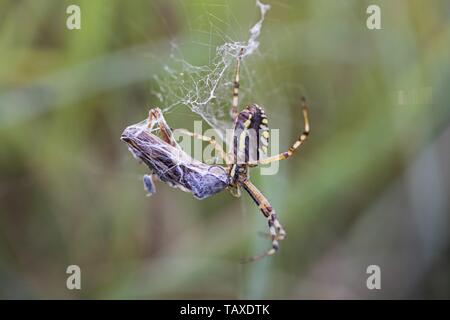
x,y
71,192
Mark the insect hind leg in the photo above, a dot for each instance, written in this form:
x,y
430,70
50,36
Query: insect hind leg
x,y
155,115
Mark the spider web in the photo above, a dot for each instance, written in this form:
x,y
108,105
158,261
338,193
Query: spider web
x,y
206,88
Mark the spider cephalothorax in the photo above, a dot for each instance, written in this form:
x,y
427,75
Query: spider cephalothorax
x,y
170,164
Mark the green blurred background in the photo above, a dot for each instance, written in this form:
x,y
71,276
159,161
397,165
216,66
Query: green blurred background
x,y
371,186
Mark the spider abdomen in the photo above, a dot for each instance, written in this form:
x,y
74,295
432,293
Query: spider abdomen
x,y
251,134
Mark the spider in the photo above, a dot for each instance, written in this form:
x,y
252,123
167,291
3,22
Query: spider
x,y
170,164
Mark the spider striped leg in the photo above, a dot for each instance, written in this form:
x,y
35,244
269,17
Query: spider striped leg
x,y
235,102
285,155
276,231
210,140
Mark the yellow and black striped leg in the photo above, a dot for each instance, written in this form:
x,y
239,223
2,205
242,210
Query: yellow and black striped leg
x,y
210,140
294,147
276,231
235,102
